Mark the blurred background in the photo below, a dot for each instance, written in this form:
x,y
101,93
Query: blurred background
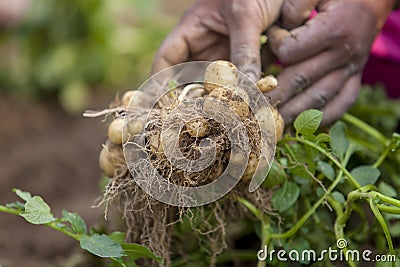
x,y
58,58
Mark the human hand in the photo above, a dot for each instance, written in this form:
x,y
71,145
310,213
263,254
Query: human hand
x,y
324,56
220,29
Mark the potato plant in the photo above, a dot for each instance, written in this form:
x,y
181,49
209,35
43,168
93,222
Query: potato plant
x,y
327,184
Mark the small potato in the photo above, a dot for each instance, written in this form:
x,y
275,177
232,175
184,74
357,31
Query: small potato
x,y
237,158
279,124
136,126
266,115
115,131
251,167
134,99
110,158
105,164
220,73
268,83
198,127
241,93
238,105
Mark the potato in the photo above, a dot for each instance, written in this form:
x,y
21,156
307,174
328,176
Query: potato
x,y
105,163
220,73
251,167
136,126
240,92
135,99
110,158
268,83
234,101
115,130
264,114
198,127
279,124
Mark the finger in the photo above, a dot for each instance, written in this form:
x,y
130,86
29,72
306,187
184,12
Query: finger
x,y
190,38
295,12
343,101
298,77
245,48
316,96
215,51
301,43
174,50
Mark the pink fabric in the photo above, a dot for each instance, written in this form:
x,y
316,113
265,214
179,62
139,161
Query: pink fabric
x,y
383,66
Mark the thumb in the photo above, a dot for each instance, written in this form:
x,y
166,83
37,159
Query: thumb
x,y
245,52
246,24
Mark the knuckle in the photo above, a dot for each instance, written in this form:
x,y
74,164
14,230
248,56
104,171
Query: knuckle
x,y
238,9
319,100
299,81
244,54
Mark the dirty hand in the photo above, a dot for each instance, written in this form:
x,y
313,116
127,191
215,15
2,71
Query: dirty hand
x,y
220,29
324,56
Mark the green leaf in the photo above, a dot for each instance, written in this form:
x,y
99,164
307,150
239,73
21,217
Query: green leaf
x,y
16,205
394,229
37,211
322,138
298,244
320,192
326,169
118,237
308,122
285,196
365,174
276,176
102,246
78,225
339,197
387,189
339,142
23,195
135,251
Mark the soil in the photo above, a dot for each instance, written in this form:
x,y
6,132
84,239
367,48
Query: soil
x,y
52,154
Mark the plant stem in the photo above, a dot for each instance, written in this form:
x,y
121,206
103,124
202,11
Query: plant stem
x,y
383,224
368,129
382,157
388,209
330,157
308,214
5,209
265,238
62,230
53,225
311,211
389,200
